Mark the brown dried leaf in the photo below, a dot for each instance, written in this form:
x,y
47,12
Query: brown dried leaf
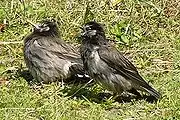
x,y
3,81
2,27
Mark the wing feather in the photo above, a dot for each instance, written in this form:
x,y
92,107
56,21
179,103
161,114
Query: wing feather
x,y
121,64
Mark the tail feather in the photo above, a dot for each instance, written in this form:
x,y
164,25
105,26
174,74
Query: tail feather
x,y
78,74
78,70
153,92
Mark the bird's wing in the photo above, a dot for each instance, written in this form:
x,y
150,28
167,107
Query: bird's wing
x,y
122,65
61,49
66,52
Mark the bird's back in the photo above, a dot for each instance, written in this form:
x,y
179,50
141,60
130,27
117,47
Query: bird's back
x,y
49,58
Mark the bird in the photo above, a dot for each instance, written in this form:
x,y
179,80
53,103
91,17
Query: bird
x,y
107,66
48,57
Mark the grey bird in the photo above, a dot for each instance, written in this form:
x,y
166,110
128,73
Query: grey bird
x,y
107,66
48,57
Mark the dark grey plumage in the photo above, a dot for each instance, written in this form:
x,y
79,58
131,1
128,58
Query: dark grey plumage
x,y
48,57
108,66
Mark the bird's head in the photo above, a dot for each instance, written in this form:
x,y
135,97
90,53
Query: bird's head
x,y
92,29
93,33
46,28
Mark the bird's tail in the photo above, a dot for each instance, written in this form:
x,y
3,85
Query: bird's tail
x,y
78,74
78,69
153,92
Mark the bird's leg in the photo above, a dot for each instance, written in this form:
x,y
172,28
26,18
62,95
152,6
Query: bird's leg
x,y
135,92
115,96
62,83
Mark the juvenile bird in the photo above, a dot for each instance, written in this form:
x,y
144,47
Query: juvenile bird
x,y
109,67
48,57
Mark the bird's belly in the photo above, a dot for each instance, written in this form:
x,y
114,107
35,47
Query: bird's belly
x,y
47,71
94,64
114,82
106,76
99,71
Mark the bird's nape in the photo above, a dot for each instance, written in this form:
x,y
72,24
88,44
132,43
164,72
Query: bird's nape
x,y
46,28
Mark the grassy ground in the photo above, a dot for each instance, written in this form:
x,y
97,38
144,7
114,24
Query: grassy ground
x,y
150,30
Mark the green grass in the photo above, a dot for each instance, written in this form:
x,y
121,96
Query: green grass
x,y
150,30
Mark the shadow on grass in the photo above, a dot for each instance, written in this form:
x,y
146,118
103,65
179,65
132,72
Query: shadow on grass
x,y
99,97
78,87
26,75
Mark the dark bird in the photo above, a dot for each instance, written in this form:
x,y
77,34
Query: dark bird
x,y
48,57
109,67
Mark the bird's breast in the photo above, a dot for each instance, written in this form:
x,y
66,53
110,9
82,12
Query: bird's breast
x,y
94,63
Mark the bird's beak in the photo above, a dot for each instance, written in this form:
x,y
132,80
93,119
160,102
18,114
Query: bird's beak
x,y
33,24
